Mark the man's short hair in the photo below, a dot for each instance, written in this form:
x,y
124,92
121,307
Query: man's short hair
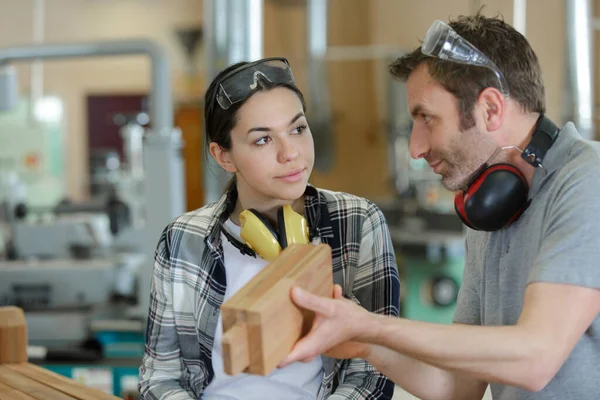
x,y
502,44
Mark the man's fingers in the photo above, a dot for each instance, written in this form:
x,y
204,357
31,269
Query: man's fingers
x,y
300,352
307,300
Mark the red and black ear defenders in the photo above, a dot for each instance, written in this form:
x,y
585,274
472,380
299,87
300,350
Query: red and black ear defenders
x,y
498,194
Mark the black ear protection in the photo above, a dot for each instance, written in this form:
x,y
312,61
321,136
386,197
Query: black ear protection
x,y
262,238
498,194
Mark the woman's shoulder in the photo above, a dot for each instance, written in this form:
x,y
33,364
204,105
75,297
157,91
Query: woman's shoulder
x,y
343,200
196,221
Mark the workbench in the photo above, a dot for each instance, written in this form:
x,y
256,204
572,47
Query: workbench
x,y
21,380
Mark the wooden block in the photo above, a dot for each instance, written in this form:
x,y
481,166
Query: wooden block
x,y
60,383
261,324
13,335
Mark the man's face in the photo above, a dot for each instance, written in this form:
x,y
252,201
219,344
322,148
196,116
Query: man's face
x,y
453,153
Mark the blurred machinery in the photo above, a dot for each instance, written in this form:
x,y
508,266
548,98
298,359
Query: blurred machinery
x,y
427,234
82,271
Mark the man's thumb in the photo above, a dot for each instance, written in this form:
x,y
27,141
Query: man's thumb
x,y
307,300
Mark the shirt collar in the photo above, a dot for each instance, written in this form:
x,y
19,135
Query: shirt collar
x,y
555,157
315,212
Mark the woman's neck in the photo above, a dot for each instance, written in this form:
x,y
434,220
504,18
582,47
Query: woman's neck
x,y
267,207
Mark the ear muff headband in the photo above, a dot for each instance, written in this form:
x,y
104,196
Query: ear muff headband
x,y
261,237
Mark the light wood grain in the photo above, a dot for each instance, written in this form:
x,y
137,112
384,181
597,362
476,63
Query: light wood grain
x,y
30,386
60,383
260,322
10,393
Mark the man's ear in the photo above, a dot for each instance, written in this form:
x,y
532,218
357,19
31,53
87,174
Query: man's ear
x,y
493,104
222,157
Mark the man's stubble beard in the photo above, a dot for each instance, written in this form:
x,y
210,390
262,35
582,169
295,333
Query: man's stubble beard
x,y
468,152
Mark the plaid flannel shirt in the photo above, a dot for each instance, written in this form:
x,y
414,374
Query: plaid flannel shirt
x,y
189,283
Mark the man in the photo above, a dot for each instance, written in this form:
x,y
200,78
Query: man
x,y
527,315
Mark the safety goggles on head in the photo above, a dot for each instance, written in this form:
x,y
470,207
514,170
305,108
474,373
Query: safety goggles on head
x,y
240,83
441,41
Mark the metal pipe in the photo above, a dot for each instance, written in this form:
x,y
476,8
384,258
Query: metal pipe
x,y
37,67
255,29
320,114
161,104
580,65
233,33
520,15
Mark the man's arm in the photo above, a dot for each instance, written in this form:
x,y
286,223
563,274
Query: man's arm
x,y
423,380
526,355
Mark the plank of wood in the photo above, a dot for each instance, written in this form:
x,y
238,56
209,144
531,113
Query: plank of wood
x,y
13,335
29,386
60,383
273,323
10,393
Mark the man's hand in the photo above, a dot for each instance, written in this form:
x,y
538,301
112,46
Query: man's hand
x,y
337,321
351,349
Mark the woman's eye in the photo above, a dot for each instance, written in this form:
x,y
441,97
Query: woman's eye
x,y
263,140
299,129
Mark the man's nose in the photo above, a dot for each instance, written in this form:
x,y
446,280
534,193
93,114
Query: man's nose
x,y
419,143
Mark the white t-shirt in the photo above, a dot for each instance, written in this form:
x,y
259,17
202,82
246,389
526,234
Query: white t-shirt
x,y
298,381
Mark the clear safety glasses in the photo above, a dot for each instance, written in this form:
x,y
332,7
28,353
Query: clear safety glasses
x,y
441,41
241,82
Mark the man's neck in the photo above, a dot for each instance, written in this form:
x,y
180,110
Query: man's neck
x,y
522,131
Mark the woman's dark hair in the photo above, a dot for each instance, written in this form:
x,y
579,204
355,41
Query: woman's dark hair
x,y
218,123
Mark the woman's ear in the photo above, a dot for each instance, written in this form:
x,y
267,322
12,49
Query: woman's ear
x,y
222,157
493,103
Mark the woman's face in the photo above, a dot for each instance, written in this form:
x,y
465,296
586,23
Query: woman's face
x,y
272,150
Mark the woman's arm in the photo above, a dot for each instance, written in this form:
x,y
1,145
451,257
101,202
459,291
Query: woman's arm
x,y
161,370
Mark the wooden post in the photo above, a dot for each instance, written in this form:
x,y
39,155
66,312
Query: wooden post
x,y
13,335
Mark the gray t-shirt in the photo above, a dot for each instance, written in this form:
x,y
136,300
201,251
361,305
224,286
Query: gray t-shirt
x,y
557,239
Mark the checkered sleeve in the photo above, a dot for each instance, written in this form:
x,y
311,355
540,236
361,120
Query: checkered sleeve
x,y
376,287
161,371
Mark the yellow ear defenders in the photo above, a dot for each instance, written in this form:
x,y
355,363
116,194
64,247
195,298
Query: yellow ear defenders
x,y
268,242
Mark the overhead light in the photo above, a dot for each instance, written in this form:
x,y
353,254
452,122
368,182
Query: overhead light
x,y
48,109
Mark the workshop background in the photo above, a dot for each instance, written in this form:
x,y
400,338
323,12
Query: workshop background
x,y
101,144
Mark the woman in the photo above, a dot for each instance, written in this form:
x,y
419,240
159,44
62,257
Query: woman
x,y
257,130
